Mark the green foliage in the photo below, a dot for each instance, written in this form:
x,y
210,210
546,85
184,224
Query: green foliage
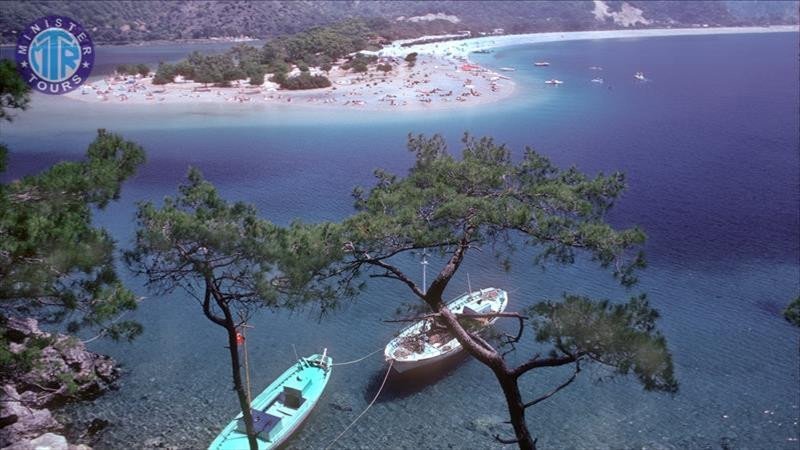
x,y
68,379
493,202
52,259
165,73
620,336
198,235
184,69
143,69
359,63
27,359
385,68
133,69
411,57
14,94
792,312
302,81
256,77
320,44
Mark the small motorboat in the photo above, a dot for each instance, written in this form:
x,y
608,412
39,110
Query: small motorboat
x,y
639,76
595,68
282,407
554,81
541,63
597,80
507,69
427,341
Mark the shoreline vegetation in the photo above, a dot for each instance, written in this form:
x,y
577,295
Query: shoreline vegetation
x,y
348,66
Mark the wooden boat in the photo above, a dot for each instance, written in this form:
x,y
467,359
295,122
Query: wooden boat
x,y
282,407
426,342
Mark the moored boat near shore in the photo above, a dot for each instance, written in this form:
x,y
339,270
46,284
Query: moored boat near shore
x,y
427,341
281,408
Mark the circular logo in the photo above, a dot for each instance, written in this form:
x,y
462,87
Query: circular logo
x,y
54,54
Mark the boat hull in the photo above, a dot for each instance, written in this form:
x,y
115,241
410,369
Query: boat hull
x,y
401,366
285,404
426,352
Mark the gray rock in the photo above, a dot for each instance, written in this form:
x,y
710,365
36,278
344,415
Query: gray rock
x,y
23,422
156,442
65,372
47,441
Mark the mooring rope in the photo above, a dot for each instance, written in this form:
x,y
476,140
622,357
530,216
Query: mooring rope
x,y
386,377
357,360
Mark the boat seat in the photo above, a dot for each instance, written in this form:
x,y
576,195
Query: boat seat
x,y
263,422
293,391
292,398
484,309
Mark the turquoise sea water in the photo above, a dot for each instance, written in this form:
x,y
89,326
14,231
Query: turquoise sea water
x,y
710,147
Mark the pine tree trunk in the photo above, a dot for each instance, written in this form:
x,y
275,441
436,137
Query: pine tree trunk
x,y
490,358
230,326
516,410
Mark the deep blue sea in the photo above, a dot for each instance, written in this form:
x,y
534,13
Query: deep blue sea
x,y
709,144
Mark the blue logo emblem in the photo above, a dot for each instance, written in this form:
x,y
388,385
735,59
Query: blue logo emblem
x,y
54,54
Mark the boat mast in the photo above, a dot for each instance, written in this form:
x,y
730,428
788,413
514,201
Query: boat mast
x,y
424,272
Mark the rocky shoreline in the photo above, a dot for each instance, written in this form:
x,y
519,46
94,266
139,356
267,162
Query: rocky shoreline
x,y
64,371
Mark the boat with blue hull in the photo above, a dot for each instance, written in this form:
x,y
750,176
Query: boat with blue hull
x,y
281,408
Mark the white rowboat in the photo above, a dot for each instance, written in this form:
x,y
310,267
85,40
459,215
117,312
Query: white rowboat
x,y
426,342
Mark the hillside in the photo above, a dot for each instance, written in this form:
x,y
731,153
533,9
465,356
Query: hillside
x,y
134,21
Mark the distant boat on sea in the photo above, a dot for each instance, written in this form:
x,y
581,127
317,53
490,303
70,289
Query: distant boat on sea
x,y
507,69
639,76
426,342
595,68
554,81
541,64
282,407
483,51
597,80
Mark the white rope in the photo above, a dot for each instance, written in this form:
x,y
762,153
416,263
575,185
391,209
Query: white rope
x,y
357,360
367,408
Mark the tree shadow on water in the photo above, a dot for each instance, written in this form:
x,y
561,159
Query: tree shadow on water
x,y
402,385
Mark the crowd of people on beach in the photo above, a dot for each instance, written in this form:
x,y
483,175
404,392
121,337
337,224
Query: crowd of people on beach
x,y
431,80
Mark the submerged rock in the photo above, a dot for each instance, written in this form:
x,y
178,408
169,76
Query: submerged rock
x,y
341,402
487,425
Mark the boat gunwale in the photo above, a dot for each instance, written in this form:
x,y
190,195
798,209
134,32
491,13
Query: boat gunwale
x,y
461,300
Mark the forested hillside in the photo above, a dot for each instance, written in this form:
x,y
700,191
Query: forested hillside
x,y
133,21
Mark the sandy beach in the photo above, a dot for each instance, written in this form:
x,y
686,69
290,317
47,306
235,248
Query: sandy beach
x,y
434,82
443,77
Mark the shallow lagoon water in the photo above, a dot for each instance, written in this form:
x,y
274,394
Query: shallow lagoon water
x,y
709,146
